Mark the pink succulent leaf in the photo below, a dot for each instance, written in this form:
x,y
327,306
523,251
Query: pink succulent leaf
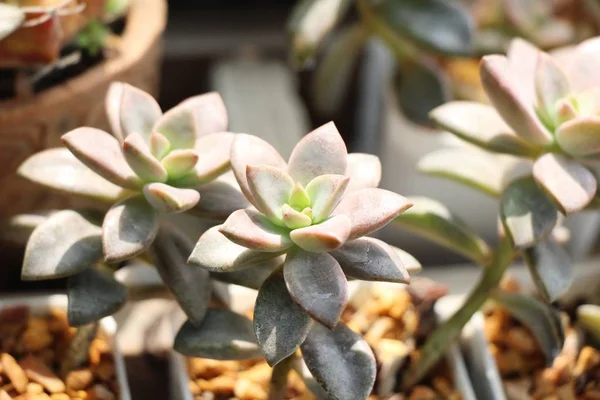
x,y
371,209
130,110
583,65
295,219
588,102
551,84
140,159
523,58
364,171
213,155
580,137
251,150
317,284
320,152
159,145
169,199
58,169
180,162
253,230
210,114
271,189
370,259
101,152
498,81
325,192
219,198
216,253
129,228
326,236
178,126
569,183
565,111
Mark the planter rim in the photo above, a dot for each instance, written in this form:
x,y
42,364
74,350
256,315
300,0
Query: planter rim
x,y
145,23
41,302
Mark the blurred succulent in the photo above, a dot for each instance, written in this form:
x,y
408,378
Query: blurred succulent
x,y
588,316
310,215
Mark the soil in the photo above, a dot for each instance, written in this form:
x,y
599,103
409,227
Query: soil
x,y
31,350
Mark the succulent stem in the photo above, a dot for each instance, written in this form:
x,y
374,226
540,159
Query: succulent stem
x,y
437,344
279,379
78,351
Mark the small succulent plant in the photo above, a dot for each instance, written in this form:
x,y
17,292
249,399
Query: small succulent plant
x,y
311,215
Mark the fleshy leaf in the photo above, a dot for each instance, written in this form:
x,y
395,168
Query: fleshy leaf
x,y
271,188
12,17
325,192
295,219
371,209
252,278
65,244
177,125
569,183
280,325
526,212
253,230
580,137
169,199
218,199
102,153
19,228
481,125
320,152
550,268
58,169
224,335
210,114
499,84
93,294
364,171
216,253
341,361
213,155
588,315
583,65
299,198
326,236
131,110
180,162
434,221
159,145
140,159
317,284
409,262
311,383
129,228
251,150
191,286
370,259
541,319
551,84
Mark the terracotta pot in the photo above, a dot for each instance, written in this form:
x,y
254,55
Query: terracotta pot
x,y
30,125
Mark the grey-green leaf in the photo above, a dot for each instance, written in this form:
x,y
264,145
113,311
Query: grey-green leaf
x,y
440,25
434,221
65,244
224,335
527,214
253,277
551,269
93,294
543,321
341,361
280,324
129,228
317,283
333,73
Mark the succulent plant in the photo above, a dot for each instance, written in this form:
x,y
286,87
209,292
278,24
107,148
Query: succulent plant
x,y
311,215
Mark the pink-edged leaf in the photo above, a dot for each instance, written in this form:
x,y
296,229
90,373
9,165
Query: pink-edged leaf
x,y
140,159
583,65
295,219
137,111
371,209
566,111
210,114
580,137
216,253
101,152
180,162
214,153
129,228
159,145
551,84
177,125
317,284
253,230
570,184
58,169
325,192
251,150
170,199
523,57
364,171
326,236
370,259
271,188
499,84
321,152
